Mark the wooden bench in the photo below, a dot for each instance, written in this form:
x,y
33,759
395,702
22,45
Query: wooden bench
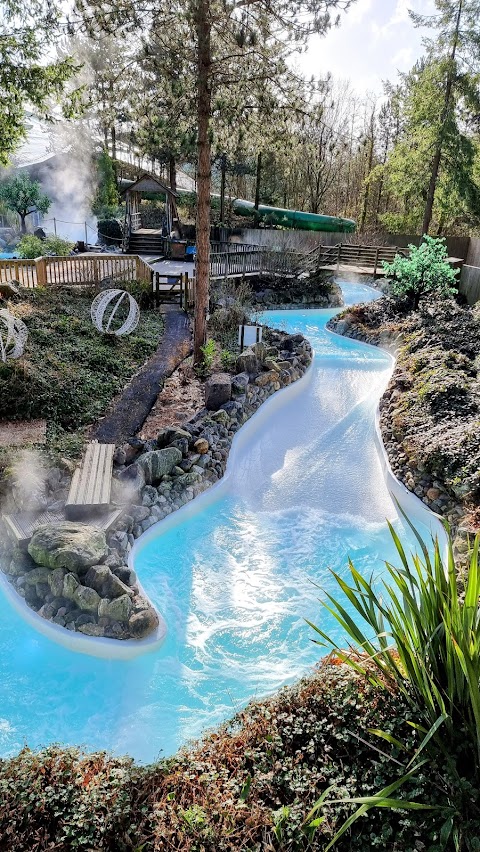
x,y
92,482
22,525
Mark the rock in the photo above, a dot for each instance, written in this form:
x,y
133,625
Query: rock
x,y
70,586
126,575
86,599
10,290
201,446
119,609
265,378
132,480
433,493
37,575
239,384
119,456
181,444
158,463
167,436
55,581
91,629
247,362
139,513
218,390
143,623
96,578
259,349
68,545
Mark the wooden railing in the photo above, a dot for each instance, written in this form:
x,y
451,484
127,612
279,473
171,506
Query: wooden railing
x,y
347,254
253,260
75,269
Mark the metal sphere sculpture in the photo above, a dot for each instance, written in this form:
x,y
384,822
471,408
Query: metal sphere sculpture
x,y
115,299
13,336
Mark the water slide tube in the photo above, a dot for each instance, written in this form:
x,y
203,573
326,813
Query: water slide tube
x,y
293,218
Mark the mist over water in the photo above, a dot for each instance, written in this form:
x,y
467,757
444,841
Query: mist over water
x,y
234,582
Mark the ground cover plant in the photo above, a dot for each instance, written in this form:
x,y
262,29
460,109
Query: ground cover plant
x,y
248,786
70,373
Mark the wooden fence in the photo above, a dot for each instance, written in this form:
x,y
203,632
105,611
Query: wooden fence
x,y
469,283
254,260
173,288
75,269
370,258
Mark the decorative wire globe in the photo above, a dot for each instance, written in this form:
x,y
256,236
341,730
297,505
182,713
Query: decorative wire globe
x,y
111,300
13,336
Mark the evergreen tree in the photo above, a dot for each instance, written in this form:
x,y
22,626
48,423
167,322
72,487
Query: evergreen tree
x,y
26,79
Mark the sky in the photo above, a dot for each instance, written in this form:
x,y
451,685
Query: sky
x,y
375,40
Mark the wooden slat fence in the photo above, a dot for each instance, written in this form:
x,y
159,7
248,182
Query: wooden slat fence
x,y
347,254
23,271
75,269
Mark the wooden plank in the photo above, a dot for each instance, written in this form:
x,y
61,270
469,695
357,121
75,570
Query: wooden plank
x,y
92,481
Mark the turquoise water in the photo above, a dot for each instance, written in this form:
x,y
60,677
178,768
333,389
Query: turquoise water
x,y
236,581
5,254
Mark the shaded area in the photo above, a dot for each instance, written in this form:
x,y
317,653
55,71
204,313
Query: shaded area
x,y
136,401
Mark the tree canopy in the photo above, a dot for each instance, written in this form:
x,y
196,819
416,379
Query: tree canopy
x,y
26,80
24,196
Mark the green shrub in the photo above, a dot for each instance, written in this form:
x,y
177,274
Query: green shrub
x,y
31,246
57,245
425,271
109,228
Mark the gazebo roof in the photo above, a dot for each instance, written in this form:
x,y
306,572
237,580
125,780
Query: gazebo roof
x,y
149,183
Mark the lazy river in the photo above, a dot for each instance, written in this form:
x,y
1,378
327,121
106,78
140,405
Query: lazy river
x,y
235,574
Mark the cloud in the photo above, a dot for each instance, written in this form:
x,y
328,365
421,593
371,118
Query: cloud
x,y
358,12
403,58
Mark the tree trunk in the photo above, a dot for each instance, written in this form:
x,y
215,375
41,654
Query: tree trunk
x,y
113,137
369,169
172,173
23,227
223,169
437,157
258,180
204,58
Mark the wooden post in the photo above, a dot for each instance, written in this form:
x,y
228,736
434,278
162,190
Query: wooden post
x,y
55,225
86,236
339,251
41,271
376,263
138,267
155,289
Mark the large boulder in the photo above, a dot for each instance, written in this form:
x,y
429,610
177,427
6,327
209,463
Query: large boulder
x,y
158,463
107,584
68,545
218,390
247,362
143,623
120,609
86,599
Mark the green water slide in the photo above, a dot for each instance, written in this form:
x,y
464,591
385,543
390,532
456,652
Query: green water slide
x,y
293,218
